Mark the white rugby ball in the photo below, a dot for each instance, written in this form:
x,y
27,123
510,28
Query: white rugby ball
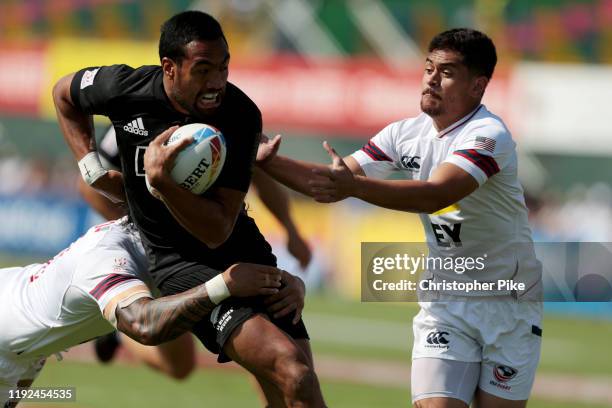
x,y
198,165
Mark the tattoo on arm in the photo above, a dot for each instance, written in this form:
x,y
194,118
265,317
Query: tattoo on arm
x,y
154,321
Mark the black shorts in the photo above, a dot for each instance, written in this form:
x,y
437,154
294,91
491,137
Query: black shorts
x,y
216,328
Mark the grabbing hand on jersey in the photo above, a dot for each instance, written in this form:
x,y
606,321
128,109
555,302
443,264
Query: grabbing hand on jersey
x,y
334,183
159,158
290,298
245,279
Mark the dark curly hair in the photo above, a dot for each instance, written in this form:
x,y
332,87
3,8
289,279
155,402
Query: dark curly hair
x,y
185,27
478,50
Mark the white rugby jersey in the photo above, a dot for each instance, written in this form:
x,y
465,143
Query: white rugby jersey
x,y
46,308
492,220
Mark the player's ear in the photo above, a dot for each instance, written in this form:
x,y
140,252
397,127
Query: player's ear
x,y
168,67
478,86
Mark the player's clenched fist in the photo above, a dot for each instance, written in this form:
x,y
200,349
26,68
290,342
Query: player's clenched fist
x,y
245,279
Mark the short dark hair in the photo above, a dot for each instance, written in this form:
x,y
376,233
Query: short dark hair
x,y
478,50
185,27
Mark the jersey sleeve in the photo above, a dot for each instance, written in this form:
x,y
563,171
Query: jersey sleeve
x,y
378,157
106,274
94,89
483,152
238,168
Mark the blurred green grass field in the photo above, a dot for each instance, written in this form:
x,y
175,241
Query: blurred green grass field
x,y
339,329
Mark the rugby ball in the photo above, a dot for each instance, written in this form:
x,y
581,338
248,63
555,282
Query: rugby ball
x,y
198,165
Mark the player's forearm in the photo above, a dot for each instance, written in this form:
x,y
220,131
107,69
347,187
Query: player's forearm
x,y
155,321
206,218
274,198
105,207
77,126
403,195
292,173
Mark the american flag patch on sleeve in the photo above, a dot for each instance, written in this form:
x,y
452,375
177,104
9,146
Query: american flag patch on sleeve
x,y
484,143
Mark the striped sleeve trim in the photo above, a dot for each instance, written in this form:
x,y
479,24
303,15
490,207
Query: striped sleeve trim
x,y
375,152
485,163
107,283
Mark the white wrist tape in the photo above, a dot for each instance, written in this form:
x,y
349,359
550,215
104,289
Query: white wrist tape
x,y
217,289
91,168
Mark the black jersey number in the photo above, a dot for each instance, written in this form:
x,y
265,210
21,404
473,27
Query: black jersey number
x,y
139,160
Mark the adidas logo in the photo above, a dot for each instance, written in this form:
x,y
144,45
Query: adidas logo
x,y
136,126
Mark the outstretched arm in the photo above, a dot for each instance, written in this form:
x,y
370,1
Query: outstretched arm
x,y
295,174
447,185
154,321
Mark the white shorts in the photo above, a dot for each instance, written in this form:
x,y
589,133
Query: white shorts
x,y
13,369
503,336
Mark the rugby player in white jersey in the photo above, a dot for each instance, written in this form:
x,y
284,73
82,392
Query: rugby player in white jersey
x,y
95,286
461,165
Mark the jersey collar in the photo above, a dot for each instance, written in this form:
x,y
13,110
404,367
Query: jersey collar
x,y
459,123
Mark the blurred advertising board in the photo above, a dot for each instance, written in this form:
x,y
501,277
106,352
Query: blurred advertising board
x,y
351,96
40,225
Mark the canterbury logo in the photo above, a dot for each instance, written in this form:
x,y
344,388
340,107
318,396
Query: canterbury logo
x,y
137,127
437,337
411,163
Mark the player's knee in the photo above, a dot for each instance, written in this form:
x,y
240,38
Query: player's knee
x,y
297,379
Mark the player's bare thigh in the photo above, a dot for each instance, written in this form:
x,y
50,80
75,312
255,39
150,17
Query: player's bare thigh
x,y
482,400
439,402
485,400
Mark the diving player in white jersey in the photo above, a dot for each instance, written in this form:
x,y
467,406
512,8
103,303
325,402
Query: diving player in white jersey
x,y
95,286
461,169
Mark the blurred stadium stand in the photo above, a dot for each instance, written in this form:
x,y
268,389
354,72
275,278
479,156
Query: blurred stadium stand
x,y
328,69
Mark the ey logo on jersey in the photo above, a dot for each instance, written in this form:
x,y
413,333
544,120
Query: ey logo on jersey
x,y
447,235
411,163
136,127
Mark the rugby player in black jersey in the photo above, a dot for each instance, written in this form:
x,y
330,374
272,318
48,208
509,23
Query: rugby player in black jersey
x,y
177,358
189,238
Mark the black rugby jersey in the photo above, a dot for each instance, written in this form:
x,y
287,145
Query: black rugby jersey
x,y
136,103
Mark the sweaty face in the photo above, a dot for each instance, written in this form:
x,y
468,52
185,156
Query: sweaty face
x,y
450,91
200,78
